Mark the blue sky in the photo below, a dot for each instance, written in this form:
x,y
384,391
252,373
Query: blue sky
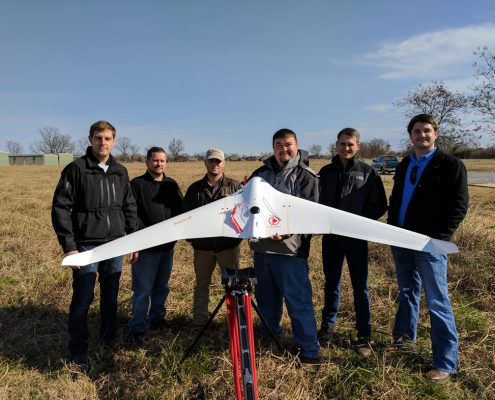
x,y
229,73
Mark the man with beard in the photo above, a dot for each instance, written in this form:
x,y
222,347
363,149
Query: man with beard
x,y
210,251
158,198
281,262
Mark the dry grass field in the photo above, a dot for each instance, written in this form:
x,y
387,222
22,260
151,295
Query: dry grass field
x,y
35,293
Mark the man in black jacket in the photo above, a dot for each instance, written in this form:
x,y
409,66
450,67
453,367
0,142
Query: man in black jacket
x,y
208,251
93,204
429,196
158,198
353,186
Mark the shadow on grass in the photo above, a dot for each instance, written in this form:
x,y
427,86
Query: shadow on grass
x,y
33,336
36,337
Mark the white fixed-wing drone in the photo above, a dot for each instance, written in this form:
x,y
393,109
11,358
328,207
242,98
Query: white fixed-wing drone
x,y
259,211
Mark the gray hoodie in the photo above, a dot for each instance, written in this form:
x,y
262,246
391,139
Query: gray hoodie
x,y
297,179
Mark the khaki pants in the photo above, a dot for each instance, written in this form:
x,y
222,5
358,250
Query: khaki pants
x,y
205,262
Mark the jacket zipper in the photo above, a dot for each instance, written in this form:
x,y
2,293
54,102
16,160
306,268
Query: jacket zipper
x,y
109,202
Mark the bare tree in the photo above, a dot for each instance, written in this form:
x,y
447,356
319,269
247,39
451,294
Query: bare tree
x,y
264,155
81,145
332,149
484,98
52,142
123,145
14,147
134,150
176,146
233,157
447,107
374,147
315,150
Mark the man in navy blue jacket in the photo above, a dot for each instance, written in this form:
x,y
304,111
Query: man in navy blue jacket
x,y
429,196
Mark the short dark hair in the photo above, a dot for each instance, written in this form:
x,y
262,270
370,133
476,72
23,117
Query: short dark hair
x,y
425,119
349,132
282,133
100,126
154,149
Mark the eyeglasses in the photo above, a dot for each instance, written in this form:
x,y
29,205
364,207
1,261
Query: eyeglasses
x,y
414,175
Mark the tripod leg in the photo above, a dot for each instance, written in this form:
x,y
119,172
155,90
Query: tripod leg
x,y
265,323
203,329
234,342
246,336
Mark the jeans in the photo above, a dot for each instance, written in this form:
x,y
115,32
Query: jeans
x,y
83,285
334,250
150,275
286,278
205,262
416,269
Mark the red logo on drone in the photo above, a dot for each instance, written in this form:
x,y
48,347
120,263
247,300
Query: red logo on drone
x,y
273,220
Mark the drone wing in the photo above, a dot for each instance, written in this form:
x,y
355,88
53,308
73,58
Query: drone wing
x,y
260,211
211,220
285,214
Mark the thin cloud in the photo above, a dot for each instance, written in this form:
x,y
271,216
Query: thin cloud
x,y
379,108
432,55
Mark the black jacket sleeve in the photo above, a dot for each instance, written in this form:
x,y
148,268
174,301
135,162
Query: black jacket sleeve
x,y
62,205
188,203
328,187
457,205
376,202
176,199
310,187
129,208
136,193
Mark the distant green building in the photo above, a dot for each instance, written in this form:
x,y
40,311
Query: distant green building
x,y
26,159
39,159
65,158
50,159
4,158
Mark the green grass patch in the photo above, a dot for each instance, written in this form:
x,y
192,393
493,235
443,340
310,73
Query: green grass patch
x,y
7,282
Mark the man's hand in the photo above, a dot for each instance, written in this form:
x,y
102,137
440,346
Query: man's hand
x,y
279,237
133,257
68,254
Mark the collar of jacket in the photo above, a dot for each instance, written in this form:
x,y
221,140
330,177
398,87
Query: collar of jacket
x,y
149,177
338,163
93,161
271,163
206,182
438,155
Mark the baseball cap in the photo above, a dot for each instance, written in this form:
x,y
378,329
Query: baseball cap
x,y
215,153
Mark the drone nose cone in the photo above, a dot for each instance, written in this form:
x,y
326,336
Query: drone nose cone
x,y
254,210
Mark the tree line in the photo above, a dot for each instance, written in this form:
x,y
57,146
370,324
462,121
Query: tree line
x,y
51,141
463,119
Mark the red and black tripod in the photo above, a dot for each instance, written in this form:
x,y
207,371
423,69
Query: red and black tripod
x,y
238,288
